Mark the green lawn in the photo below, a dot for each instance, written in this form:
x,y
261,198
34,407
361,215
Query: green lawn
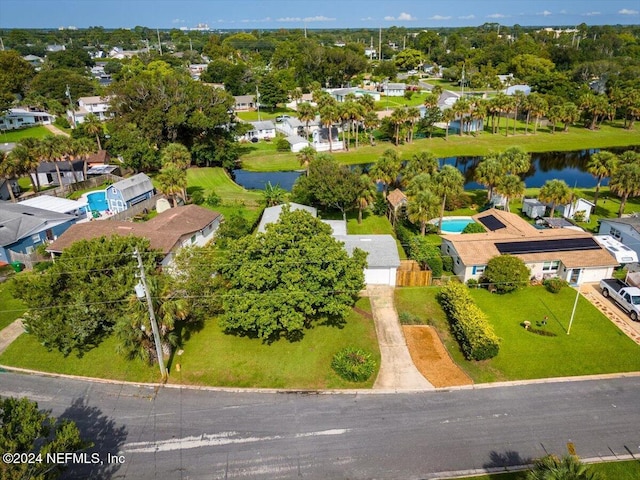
x,y
416,100
101,362
576,139
264,114
16,135
212,358
594,346
629,470
10,308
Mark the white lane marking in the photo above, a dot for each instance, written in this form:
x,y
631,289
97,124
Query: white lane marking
x,y
30,395
214,440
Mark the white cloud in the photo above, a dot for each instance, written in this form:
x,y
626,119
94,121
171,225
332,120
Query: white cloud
x,y
592,14
177,20
289,19
367,19
496,15
546,13
467,17
403,17
626,11
318,18
440,17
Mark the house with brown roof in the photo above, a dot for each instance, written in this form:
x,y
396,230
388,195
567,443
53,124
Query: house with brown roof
x,y
571,255
168,232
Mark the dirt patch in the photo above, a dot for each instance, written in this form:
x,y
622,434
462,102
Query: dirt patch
x,y
431,357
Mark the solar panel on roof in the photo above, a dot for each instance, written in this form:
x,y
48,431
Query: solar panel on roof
x,y
539,246
492,223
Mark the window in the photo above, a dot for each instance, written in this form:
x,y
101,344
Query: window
x,y
615,233
551,266
193,239
479,269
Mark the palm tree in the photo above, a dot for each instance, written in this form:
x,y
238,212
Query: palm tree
x,y
538,106
601,165
83,147
172,181
176,154
387,169
447,182
398,118
447,116
274,194
305,156
460,109
30,159
568,467
500,105
328,115
422,162
421,208
519,101
488,173
630,157
357,116
50,149
510,186
570,114
371,121
413,115
555,192
625,182
366,194
9,169
93,126
555,115
306,114
515,160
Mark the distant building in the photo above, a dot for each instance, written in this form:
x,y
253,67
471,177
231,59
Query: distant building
x,y
17,118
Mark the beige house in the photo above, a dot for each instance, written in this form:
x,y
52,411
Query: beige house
x,y
571,255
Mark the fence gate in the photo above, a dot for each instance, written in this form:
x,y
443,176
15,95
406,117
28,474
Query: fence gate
x,y
409,274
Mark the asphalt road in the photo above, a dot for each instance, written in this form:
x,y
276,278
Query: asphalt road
x,y
190,434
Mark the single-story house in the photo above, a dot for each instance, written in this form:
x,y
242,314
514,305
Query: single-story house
x,y
5,185
243,103
291,126
58,205
626,230
297,143
261,130
340,94
571,255
35,61
382,259
533,208
71,171
168,231
393,89
17,118
130,191
320,140
579,210
23,228
98,106
272,214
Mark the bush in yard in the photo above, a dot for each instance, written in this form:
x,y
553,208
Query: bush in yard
x,y
554,285
507,273
472,283
447,264
469,324
426,254
474,228
353,364
213,200
282,145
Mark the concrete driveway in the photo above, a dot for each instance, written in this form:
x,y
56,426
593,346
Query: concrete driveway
x,y
397,371
593,293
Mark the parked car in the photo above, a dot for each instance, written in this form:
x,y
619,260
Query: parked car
x,y
626,296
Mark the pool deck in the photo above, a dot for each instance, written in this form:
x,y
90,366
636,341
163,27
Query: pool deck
x,y
103,215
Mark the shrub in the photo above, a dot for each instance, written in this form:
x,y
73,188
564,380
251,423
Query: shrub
x,y
426,254
380,205
554,285
507,273
474,228
353,364
447,263
472,283
197,197
61,122
468,323
282,145
407,318
42,266
213,200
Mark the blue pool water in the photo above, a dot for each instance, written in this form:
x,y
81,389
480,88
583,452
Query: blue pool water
x,y
455,225
97,201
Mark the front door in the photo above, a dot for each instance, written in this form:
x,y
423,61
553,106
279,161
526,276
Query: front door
x,y
574,276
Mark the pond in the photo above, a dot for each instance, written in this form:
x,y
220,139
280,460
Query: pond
x,y
567,166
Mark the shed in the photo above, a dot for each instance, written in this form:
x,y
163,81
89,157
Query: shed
x,y
533,208
579,210
297,143
130,191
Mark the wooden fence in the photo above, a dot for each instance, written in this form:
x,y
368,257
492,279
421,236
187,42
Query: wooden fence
x,y
66,189
137,209
409,274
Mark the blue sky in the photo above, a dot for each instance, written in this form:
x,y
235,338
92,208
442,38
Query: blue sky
x,y
266,14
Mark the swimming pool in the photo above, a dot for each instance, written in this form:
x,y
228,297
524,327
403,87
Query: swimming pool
x,y
454,224
98,201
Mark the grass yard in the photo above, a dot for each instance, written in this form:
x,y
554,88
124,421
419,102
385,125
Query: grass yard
x,y
576,138
101,362
10,308
594,346
629,470
252,116
212,358
16,135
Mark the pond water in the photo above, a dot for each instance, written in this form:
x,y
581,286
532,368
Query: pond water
x,y
567,166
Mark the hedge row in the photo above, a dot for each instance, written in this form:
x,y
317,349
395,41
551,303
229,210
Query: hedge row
x,y
468,323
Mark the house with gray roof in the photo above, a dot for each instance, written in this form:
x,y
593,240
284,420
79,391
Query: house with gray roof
x,y
23,228
244,103
261,130
130,191
272,214
297,143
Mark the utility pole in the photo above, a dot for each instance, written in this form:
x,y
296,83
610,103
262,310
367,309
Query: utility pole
x,y
573,312
152,316
258,102
72,108
380,45
159,44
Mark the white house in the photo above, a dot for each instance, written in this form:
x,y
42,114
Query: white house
x,y
98,106
261,130
291,126
20,118
571,255
626,230
340,94
321,143
579,210
297,143
393,89
244,103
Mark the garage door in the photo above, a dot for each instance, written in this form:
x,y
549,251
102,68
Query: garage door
x,y
379,276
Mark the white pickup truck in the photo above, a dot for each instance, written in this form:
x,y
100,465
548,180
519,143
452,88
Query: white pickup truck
x,y
627,297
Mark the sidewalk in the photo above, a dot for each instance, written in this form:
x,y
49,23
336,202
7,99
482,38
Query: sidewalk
x,y
10,333
397,371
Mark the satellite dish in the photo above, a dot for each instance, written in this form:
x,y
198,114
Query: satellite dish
x,y
162,205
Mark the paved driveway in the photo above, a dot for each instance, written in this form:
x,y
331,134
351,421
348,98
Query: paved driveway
x,y
593,293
